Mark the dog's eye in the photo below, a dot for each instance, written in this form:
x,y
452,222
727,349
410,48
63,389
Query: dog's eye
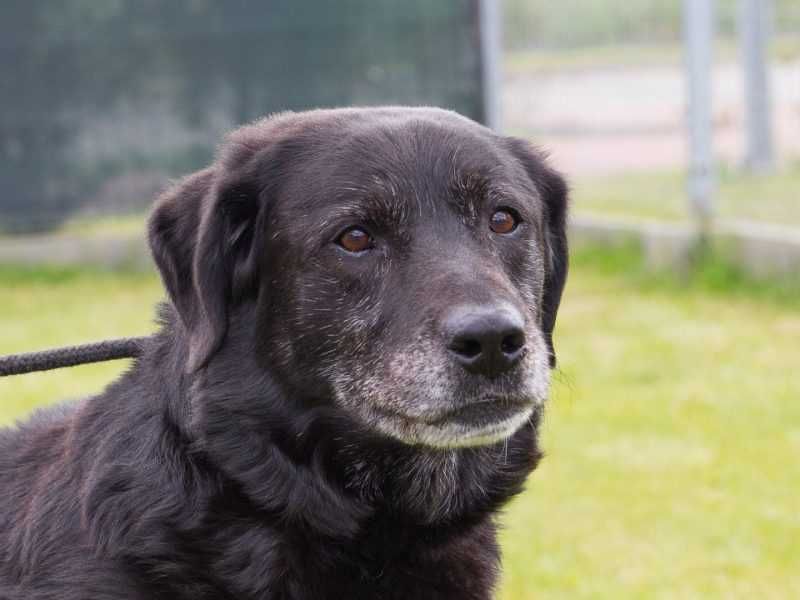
x,y
503,221
355,240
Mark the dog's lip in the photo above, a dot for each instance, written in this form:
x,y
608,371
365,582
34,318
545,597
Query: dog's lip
x,y
484,411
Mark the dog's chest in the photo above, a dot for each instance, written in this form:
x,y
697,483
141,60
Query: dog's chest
x,y
273,565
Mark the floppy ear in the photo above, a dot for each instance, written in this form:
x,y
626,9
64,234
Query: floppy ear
x,y
203,235
554,191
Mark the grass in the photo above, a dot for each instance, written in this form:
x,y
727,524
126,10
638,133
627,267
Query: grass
x,y
672,438
672,433
523,62
44,308
97,226
108,226
769,198
558,60
581,23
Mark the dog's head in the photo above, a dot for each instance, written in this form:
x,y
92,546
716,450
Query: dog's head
x,y
402,265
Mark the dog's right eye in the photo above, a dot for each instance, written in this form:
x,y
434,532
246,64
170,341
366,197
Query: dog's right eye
x,y
355,240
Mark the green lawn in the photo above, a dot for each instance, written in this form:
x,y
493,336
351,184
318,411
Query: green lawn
x,y
111,225
50,307
770,198
522,62
672,437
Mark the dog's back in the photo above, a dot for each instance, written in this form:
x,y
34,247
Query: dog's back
x,y
35,465
46,471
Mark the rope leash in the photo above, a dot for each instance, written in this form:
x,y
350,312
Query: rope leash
x,y
17,364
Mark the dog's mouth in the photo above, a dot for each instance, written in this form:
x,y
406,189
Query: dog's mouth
x,y
485,411
483,422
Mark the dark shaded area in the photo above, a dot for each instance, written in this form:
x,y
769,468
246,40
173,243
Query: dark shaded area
x,y
102,102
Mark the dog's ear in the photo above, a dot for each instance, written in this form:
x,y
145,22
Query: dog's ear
x,y
553,191
204,236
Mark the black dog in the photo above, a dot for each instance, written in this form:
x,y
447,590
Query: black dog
x,y
346,387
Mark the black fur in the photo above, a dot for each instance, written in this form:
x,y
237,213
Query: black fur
x,y
220,465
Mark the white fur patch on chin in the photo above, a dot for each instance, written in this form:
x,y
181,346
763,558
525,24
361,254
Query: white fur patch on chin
x,y
453,435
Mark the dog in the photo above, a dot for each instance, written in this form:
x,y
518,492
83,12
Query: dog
x,y
346,385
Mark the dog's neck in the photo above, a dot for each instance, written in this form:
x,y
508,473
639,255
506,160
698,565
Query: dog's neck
x,y
316,465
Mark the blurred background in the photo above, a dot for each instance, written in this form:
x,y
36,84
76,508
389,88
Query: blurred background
x,y
673,432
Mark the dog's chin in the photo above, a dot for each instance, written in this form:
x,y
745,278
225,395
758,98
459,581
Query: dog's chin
x,y
479,424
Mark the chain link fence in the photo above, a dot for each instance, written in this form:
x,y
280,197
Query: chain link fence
x,y
102,102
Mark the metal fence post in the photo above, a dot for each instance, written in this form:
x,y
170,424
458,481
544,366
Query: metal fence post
x,y
491,61
698,27
754,31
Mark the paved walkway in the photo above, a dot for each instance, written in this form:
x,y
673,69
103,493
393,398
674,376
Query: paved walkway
x,y
607,120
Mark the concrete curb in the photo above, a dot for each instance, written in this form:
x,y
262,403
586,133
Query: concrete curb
x,y
119,251
761,250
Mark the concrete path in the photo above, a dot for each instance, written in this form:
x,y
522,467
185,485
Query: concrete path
x,y
608,120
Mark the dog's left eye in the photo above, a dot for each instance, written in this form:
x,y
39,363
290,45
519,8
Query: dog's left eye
x,y
355,240
504,220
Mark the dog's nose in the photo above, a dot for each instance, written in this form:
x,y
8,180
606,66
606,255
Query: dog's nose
x,y
485,340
